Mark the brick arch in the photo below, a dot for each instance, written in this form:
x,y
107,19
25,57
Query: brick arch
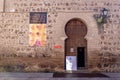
x,y
87,19
92,36
75,30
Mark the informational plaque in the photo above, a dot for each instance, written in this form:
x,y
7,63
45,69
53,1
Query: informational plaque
x,y
71,63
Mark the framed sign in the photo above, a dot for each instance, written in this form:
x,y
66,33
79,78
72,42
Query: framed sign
x,y
37,35
38,17
37,28
71,63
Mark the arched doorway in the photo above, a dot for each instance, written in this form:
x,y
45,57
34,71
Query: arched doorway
x,y
76,44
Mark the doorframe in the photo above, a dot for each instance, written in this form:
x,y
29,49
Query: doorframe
x,y
86,62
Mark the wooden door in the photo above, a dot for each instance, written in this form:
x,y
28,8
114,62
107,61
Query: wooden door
x,y
76,31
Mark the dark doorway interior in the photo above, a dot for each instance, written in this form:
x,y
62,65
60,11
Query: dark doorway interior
x,y
80,57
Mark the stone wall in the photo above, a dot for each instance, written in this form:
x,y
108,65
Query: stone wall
x,y
102,48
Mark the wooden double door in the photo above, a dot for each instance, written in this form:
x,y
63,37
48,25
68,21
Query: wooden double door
x,y
76,44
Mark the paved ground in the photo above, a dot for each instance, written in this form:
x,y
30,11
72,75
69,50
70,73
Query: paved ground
x,y
59,76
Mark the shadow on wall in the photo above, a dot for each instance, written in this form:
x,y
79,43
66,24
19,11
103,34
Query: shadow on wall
x,y
27,67
94,65
104,62
17,63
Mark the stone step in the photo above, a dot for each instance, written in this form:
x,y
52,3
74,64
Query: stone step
x,y
76,75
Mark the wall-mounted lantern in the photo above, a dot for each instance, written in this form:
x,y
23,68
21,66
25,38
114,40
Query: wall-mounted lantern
x,y
102,17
